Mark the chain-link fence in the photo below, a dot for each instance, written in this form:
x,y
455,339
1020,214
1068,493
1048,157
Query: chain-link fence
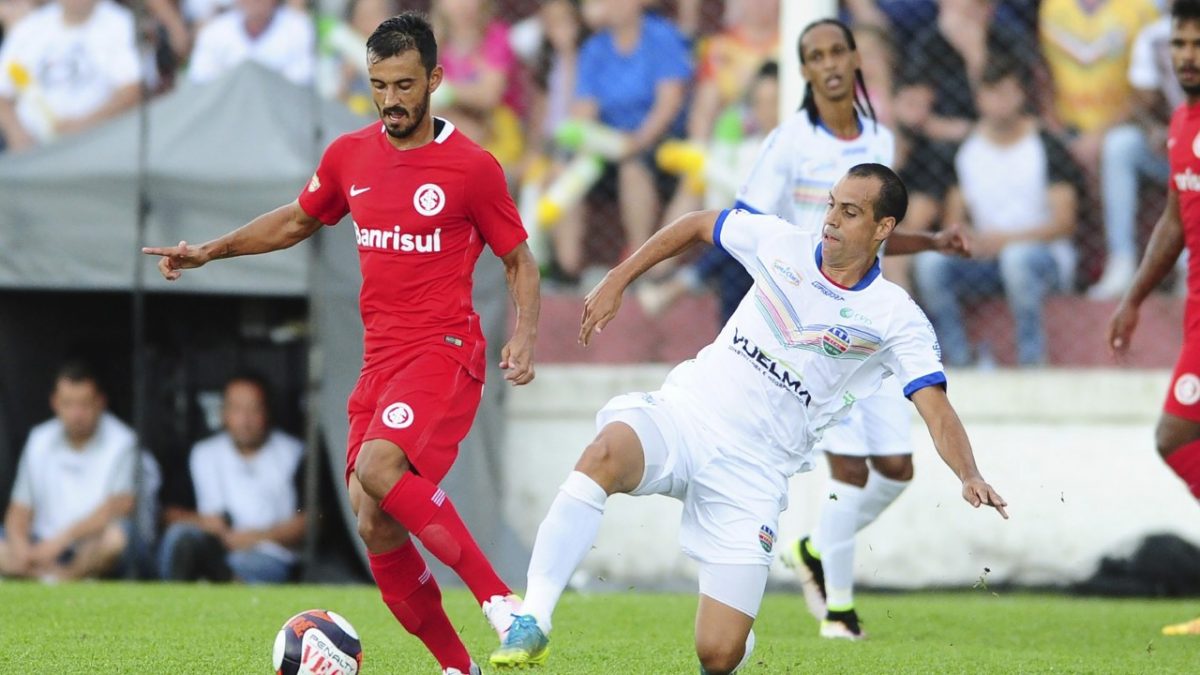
x,y
1037,126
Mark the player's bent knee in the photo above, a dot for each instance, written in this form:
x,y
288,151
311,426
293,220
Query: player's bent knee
x,y
380,463
894,467
609,465
379,532
849,470
719,657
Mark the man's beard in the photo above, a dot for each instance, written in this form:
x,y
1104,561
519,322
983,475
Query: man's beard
x,y
1192,91
415,118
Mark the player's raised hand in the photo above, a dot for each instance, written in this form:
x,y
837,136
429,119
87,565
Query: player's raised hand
x,y
517,359
952,240
978,493
599,307
175,259
1120,329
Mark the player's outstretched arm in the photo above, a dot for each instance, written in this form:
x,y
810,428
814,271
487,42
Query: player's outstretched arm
x,y
950,240
950,439
603,301
1166,243
521,269
286,226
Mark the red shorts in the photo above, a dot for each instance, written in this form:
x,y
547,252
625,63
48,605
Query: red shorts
x,y
425,405
1183,399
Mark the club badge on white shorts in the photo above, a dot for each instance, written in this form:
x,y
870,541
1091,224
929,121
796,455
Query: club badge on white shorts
x,y
398,416
1187,389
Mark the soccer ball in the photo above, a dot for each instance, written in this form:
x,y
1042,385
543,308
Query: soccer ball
x,y
317,642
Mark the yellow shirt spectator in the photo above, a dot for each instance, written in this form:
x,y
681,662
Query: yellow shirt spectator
x,y
1086,44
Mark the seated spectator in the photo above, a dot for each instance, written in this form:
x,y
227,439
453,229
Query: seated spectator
x,y
65,68
1017,191
248,522
941,66
1087,45
1134,150
715,268
67,518
267,31
481,85
728,64
633,77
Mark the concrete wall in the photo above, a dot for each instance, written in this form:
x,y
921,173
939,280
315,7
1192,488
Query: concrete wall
x,y
1071,451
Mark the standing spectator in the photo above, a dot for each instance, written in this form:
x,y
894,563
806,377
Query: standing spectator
x,y
1017,189
74,487
942,65
248,522
633,77
1135,150
481,91
267,31
65,68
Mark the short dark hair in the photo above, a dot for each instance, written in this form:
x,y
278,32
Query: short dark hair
x,y
769,69
77,371
893,196
998,68
252,377
402,33
1186,10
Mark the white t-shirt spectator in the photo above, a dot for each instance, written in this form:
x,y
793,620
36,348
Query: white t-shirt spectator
x,y
257,492
1031,166
73,70
1150,62
63,485
286,46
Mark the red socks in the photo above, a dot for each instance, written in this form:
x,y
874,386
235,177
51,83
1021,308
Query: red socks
x,y
1185,462
426,512
409,590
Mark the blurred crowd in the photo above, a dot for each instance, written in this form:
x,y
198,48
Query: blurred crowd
x,y
614,116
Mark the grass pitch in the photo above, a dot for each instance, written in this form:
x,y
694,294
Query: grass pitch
x,y
164,628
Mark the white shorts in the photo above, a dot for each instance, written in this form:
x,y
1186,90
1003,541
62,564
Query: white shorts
x,y
731,505
878,425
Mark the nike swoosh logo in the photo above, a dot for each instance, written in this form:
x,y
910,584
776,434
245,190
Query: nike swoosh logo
x,y
355,193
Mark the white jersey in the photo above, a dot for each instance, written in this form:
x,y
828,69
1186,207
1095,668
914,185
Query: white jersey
x,y
799,163
799,350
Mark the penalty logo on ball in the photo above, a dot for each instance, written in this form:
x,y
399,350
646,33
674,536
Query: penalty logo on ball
x,y
317,642
398,416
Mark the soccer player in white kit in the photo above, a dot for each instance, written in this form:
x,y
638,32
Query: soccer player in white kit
x,y
869,452
819,330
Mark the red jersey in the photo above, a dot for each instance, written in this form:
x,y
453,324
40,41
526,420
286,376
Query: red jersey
x,y
1183,152
420,219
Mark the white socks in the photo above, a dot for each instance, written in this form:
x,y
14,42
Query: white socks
x,y
835,541
878,494
563,539
854,509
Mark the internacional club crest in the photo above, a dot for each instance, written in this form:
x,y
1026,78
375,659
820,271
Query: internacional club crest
x,y
398,416
429,200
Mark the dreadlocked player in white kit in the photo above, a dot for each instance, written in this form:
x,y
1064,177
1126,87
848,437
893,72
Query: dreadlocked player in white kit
x,y
819,330
799,162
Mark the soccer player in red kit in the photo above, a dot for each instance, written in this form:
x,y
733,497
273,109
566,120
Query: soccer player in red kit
x,y
424,201
1178,432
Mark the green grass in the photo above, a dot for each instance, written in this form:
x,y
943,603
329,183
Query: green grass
x,y
152,628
